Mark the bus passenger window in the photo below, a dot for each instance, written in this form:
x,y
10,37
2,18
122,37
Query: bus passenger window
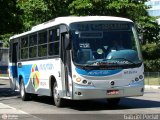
x,y
33,52
53,48
33,46
33,40
42,44
42,50
53,45
24,47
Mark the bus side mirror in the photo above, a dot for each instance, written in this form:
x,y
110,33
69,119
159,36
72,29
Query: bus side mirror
x,y
67,42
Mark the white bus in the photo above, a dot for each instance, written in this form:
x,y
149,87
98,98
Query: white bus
x,y
76,58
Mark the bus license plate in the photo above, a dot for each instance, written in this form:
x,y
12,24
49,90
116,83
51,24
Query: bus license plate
x,y
112,92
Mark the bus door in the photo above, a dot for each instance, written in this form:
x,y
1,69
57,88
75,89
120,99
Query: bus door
x,y
65,56
14,72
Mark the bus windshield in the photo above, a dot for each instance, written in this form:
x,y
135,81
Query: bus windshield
x,y
105,43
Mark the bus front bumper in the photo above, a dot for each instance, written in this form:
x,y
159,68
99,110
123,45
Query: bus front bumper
x,y
90,92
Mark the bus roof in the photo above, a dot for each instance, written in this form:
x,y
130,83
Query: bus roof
x,y
68,20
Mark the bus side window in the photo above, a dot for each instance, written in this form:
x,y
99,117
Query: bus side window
x,y
33,46
53,44
42,44
24,47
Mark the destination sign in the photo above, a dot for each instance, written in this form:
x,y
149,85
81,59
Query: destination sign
x,y
111,26
100,26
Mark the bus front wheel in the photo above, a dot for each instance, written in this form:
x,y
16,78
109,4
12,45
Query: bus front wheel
x,y
59,102
25,96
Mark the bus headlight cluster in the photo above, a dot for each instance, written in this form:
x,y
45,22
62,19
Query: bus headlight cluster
x,y
83,82
138,78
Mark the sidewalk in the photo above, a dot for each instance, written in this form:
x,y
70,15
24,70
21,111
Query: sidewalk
x,y
4,78
10,113
152,87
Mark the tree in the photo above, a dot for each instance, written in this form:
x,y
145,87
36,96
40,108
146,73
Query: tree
x,y
39,11
58,8
9,13
34,12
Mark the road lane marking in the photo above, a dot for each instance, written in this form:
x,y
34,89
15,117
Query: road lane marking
x,y
13,113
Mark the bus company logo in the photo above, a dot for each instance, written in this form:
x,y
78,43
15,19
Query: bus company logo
x,y
48,66
98,73
130,72
35,76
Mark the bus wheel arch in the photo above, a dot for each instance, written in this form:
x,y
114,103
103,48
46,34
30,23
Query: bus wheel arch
x,y
52,80
24,95
58,101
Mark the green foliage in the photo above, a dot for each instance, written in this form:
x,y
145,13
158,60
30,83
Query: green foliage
x,y
152,65
5,39
151,54
149,28
57,8
39,11
9,17
151,51
34,12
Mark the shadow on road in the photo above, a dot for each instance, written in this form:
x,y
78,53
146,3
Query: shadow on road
x,y
94,105
7,92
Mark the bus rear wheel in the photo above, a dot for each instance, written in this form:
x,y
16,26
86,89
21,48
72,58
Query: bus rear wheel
x,y
25,96
59,102
113,101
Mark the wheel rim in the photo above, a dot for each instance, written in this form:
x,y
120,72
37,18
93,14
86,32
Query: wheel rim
x,y
56,94
22,90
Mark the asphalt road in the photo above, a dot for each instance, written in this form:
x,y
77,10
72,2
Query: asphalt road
x,y
143,107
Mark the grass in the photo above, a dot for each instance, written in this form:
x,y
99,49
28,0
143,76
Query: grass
x,y
3,75
152,81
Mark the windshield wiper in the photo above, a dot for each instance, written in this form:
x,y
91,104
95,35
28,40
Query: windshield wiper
x,y
124,60
109,62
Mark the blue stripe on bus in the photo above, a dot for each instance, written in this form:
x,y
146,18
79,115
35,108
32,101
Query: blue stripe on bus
x,y
97,72
25,71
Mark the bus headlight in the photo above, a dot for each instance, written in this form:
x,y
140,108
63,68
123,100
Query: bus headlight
x,y
141,77
81,81
136,79
84,81
78,79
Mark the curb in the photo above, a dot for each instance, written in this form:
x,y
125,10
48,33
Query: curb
x,y
152,87
4,78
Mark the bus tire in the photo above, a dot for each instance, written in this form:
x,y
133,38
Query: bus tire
x,y
25,96
59,102
113,101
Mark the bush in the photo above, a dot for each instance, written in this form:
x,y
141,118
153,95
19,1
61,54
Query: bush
x,y
151,51
5,39
152,65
